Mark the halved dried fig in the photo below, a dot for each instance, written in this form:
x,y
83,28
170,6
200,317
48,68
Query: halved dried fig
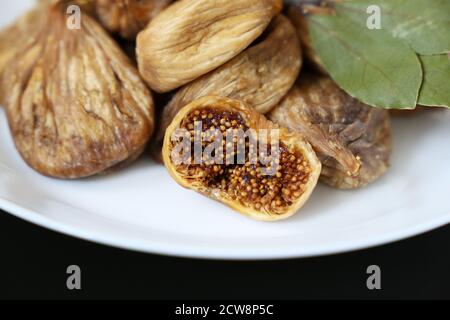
x,y
230,161
298,18
128,17
352,139
193,37
76,106
260,76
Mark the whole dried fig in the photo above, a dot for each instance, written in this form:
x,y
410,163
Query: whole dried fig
x,y
14,36
128,17
236,171
76,106
192,37
298,18
260,76
352,140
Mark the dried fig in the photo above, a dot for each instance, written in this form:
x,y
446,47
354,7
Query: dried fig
x,y
236,170
352,140
76,106
298,18
192,37
408,112
12,37
128,17
260,76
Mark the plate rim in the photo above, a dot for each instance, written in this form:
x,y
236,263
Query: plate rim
x,y
204,252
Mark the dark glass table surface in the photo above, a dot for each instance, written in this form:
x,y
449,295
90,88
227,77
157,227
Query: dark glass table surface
x,y
34,261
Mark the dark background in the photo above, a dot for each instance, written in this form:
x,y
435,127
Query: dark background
x,y
33,264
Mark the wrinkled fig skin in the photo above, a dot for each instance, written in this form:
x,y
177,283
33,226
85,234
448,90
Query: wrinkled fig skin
x,y
407,113
298,19
241,186
352,140
76,106
260,76
11,38
128,17
192,37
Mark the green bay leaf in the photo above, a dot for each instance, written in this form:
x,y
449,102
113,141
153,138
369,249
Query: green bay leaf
x,y
436,86
370,65
423,24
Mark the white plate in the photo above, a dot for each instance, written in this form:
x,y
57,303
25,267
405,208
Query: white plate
x,y
141,208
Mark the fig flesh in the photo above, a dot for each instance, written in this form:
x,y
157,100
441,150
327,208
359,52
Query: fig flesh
x,y
264,190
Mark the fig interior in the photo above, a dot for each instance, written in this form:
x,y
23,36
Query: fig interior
x,y
242,181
